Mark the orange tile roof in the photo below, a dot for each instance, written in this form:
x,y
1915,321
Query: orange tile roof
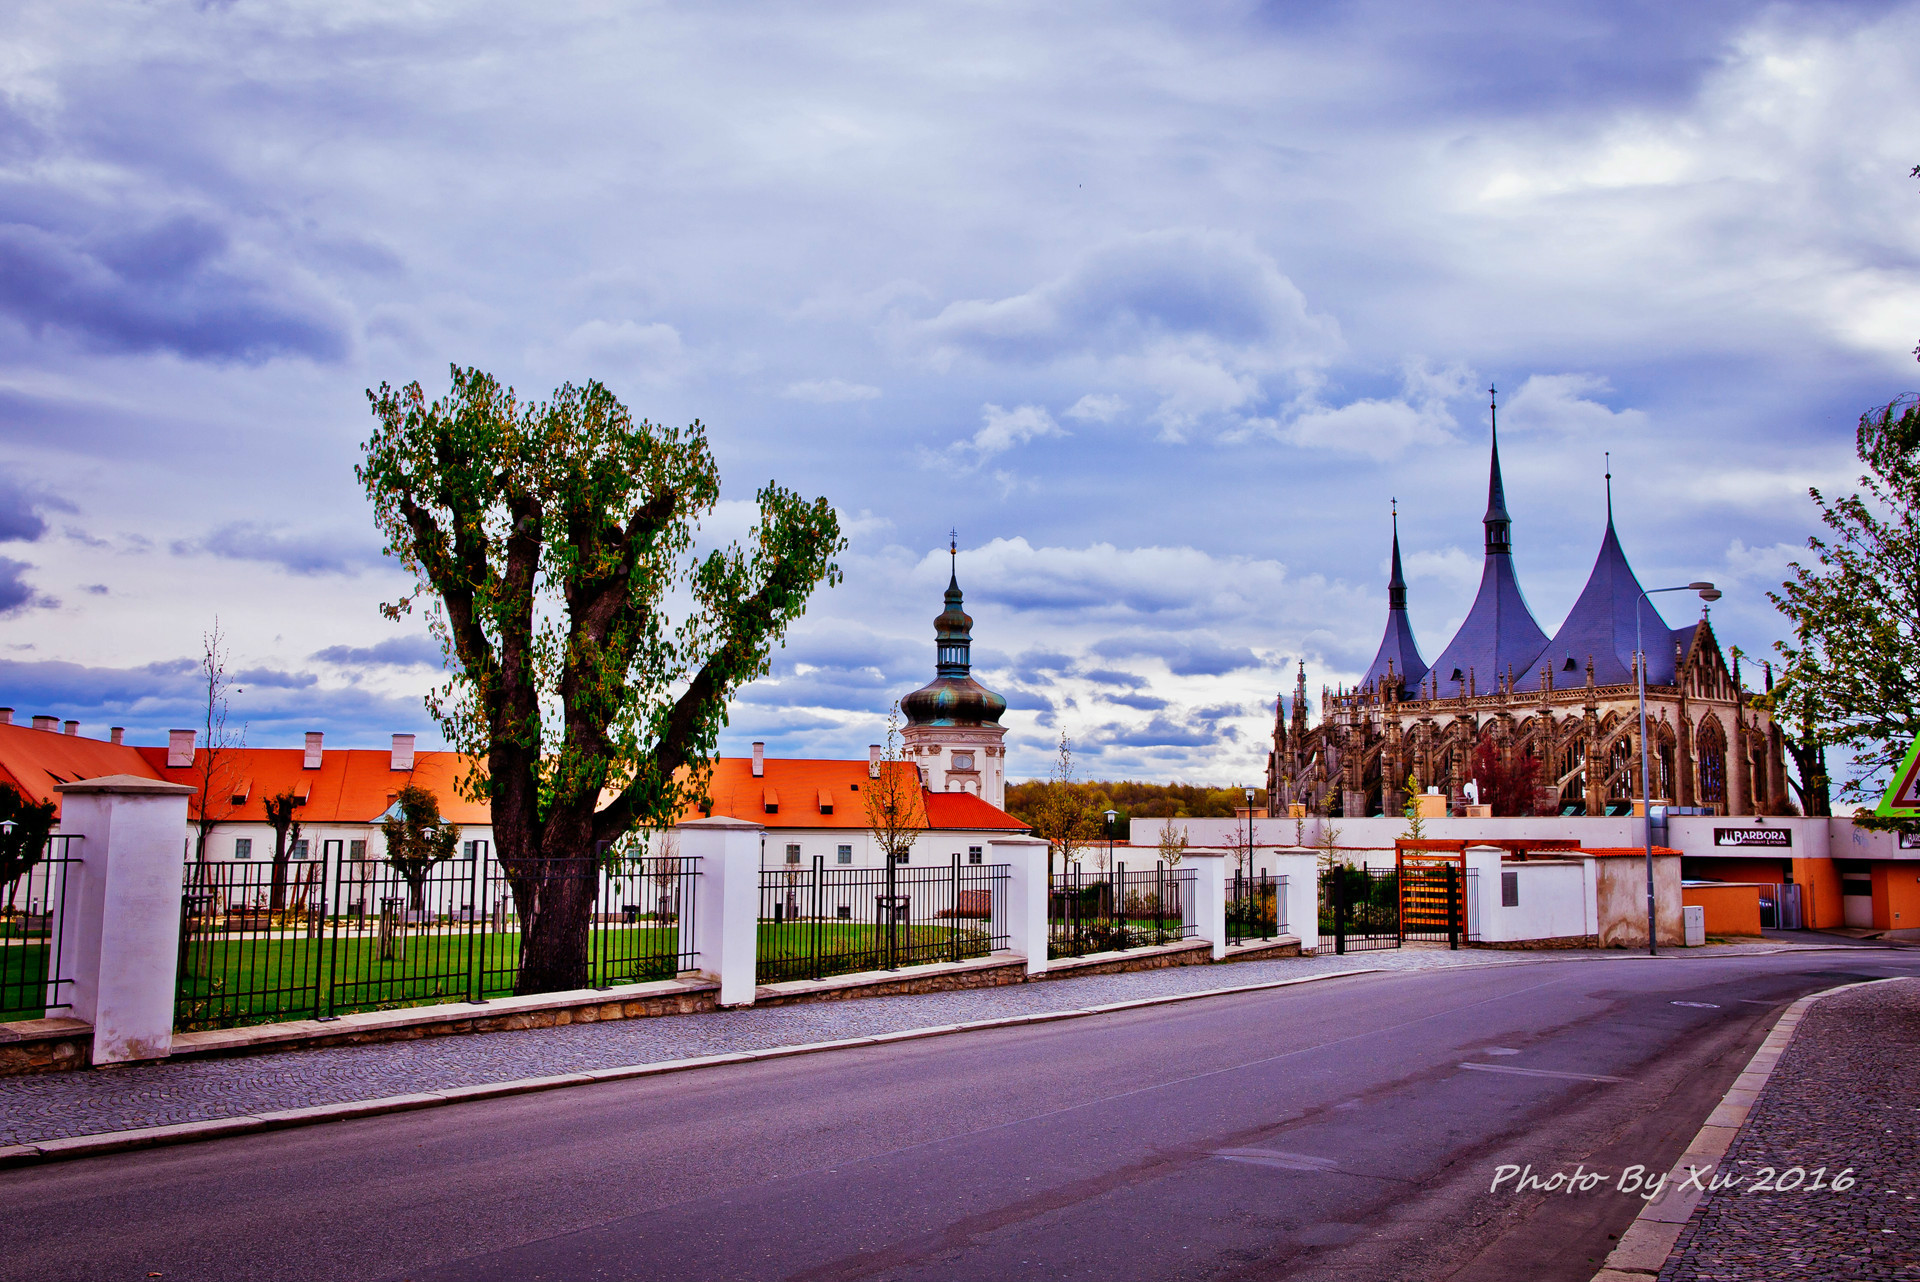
x,y
35,760
804,787
352,785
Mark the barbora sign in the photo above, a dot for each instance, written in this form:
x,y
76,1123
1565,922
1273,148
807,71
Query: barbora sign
x,y
1776,838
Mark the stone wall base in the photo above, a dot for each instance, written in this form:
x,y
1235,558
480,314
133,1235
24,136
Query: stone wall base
x,y
1534,945
1263,949
45,1046
1190,952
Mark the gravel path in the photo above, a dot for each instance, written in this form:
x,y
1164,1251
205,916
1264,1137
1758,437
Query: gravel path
x,y
58,1105
1845,1094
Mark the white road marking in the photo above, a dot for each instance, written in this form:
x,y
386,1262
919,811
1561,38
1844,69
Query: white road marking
x,y
1541,1072
1697,1005
1283,1161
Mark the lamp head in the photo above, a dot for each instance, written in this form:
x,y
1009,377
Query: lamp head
x,y
1112,815
1710,593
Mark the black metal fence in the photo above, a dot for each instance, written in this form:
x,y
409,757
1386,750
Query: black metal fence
x,y
1256,907
1360,908
36,945
314,940
819,921
1096,912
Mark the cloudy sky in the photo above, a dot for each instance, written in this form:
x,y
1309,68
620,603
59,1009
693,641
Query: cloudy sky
x,y
1157,304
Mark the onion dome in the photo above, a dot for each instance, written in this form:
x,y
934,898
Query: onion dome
x,y
953,697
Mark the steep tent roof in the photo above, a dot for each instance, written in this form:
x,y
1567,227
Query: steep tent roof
x,y
1399,652
1500,632
1601,626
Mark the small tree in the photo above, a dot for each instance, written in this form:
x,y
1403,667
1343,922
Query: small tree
x,y
896,812
1063,818
1416,826
1852,675
1173,843
215,763
286,831
24,845
1508,785
417,840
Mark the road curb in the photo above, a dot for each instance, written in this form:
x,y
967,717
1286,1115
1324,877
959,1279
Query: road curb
x,y
1643,1249
37,1152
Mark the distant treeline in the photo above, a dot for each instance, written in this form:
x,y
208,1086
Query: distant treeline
x,y
1137,800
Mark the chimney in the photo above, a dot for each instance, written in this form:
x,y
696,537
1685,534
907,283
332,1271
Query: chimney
x,y
179,749
873,761
47,723
117,735
759,760
312,760
73,727
6,716
403,752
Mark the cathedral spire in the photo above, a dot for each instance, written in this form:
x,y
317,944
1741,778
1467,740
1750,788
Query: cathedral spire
x,y
1396,581
1397,663
1498,523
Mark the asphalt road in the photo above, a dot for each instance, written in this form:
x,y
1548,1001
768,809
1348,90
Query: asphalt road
x,y
1332,1130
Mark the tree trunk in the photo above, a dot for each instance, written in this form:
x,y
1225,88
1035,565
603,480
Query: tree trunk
x,y
417,893
278,902
555,901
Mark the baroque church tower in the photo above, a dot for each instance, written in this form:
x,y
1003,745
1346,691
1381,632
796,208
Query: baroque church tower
x,y
953,732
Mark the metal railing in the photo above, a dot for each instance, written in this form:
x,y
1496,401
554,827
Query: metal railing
x,y
818,921
1109,912
309,940
36,948
1256,907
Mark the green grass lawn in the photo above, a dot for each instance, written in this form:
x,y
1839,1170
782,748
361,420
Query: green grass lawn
x,y
225,982
787,949
23,977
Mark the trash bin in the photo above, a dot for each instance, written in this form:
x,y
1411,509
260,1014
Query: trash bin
x,y
1695,919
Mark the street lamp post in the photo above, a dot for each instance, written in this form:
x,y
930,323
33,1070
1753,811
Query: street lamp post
x,y
1707,593
1113,817
1249,863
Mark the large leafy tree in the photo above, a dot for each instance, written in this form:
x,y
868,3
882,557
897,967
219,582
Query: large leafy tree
x,y
549,540
1852,676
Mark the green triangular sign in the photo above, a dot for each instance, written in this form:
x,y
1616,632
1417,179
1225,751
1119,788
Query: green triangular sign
x,y
1902,800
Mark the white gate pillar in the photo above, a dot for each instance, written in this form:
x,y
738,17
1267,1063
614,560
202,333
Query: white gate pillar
x,y
726,919
125,910
1209,896
1026,861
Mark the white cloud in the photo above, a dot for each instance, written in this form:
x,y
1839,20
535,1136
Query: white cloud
x,y
1201,319
1381,428
1565,403
1097,407
617,351
1000,431
829,391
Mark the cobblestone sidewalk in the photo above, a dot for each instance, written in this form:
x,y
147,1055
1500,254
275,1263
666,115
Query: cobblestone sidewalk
x,y
61,1105
1844,1097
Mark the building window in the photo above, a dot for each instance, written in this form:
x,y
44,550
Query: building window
x,y
963,761
793,853
974,855
844,854
899,859
844,912
357,851
299,850
472,850
243,847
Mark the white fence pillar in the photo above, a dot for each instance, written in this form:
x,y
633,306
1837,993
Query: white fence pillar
x,y
1026,861
1209,896
1301,868
1486,863
124,911
727,905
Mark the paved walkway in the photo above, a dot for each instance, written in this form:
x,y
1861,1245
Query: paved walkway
x,y
1845,1096
60,1105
